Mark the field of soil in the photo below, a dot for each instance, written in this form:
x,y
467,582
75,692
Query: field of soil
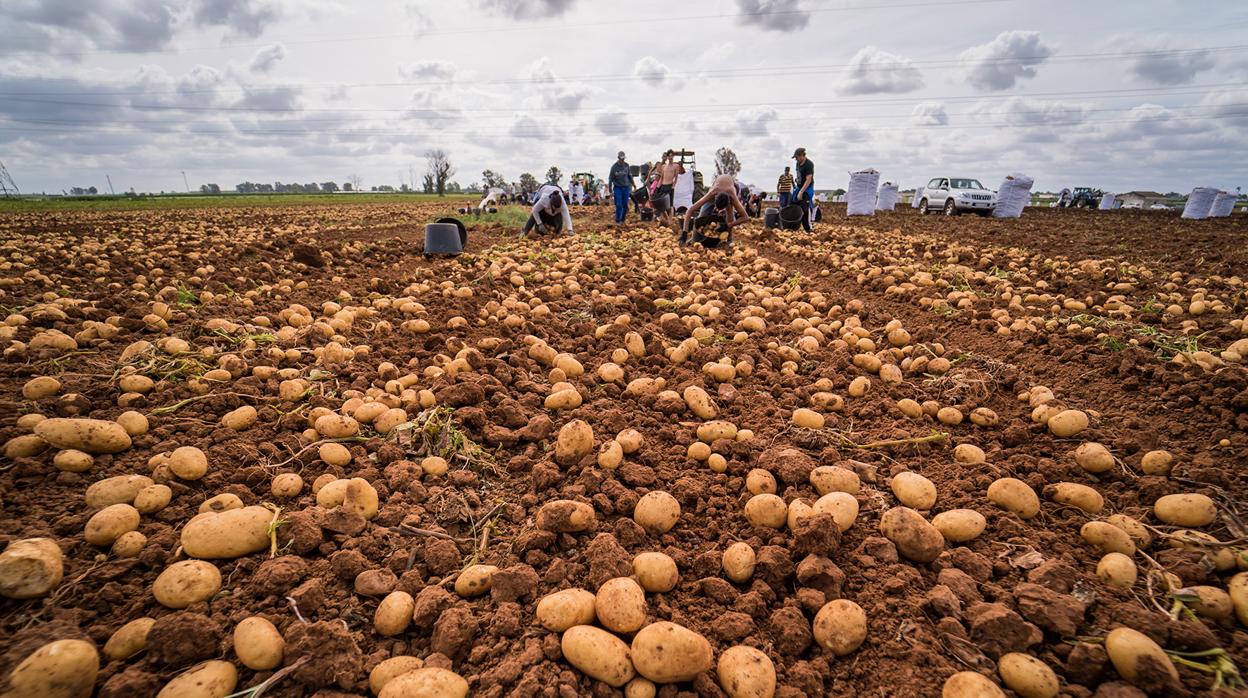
x,y
822,399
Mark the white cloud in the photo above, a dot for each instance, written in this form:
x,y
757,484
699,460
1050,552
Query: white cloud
x,y
525,126
266,58
58,26
651,71
554,92
612,122
872,71
929,114
773,15
242,17
1002,62
527,9
1171,68
425,70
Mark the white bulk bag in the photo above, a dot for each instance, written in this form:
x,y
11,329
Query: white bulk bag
x,y
861,194
887,198
918,196
1199,203
1223,205
1014,194
1107,202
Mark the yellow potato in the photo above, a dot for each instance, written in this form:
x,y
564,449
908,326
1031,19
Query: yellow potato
x,y
718,429
152,498
1133,528
700,403
610,455
88,435
1027,676
258,644
1076,495
24,446
640,687
221,502
59,669
391,668
807,419
1126,649
30,568
621,605
187,582
394,613
1189,510
969,454
910,408
566,516
286,485
390,419
657,512
239,419
72,461
1210,602
228,534
960,525
630,440
133,422
1238,590
969,684
336,426
655,572
188,463
565,608
840,627
745,672
41,387
475,580
766,511
831,478
129,544
1014,496
129,639
1108,537
575,441
212,679
915,538
565,399
355,494
1094,458
842,506
759,481
598,654
1068,423
1157,463
914,490
738,562
665,652
121,489
107,524
334,454
1117,570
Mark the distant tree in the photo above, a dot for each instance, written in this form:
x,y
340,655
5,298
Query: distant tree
x,y
355,181
726,162
404,188
438,167
837,192
528,183
384,187
209,189
473,188
453,187
553,175
264,188
491,179
427,184
329,186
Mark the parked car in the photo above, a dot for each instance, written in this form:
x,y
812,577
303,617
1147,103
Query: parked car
x,y
954,195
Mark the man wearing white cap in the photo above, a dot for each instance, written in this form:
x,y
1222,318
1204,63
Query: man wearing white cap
x,y
621,180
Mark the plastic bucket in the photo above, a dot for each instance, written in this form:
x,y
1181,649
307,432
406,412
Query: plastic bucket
x,y
771,218
446,236
791,217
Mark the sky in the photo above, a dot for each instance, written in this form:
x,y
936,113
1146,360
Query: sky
x,y
1143,95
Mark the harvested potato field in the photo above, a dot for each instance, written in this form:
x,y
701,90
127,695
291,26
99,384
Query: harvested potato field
x,y
275,451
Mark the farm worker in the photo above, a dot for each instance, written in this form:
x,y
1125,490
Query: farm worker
x,y
785,187
805,186
491,197
665,196
550,209
721,201
574,188
716,218
621,180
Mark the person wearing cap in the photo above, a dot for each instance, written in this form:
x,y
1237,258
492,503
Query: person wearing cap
x,y
804,193
621,180
550,210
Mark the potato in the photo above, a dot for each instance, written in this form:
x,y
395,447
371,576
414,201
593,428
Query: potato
x,y
738,562
336,426
565,608
187,582
258,644
122,489
355,494
129,544
92,436
394,613
716,463
766,511
598,654
59,669
831,478
799,509
657,512
640,687
700,403
610,455
1133,528
914,490
1094,458
434,465
1014,496
286,485
30,568
475,580
969,454
859,386
1238,590
152,498
1157,463
621,605
1210,602
41,387
718,429
699,451
1076,495
566,516
1189,510
669,653
129,639
915,538
655,572
949,416
1117,570
72,461
24,446
565,399
391,668
1068,423
575,441
1108,537
960,525
969,684
759,481
133,422
1128,649
840,626
390,419
227,534
239,419
745,672
334,454
1027,676
188,463
842,506
807,419
221,502
630,440
910,408
107,524
212,679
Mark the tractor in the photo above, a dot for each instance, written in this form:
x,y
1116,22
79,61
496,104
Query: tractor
x,y
1085,197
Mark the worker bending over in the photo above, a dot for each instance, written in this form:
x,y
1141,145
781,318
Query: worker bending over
x,y
549,210
719,211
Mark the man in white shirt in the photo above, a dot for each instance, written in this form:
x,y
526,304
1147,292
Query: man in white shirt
x,y
549,210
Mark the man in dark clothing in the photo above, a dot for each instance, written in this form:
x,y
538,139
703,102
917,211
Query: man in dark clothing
x,y
805,192
550,211
621,179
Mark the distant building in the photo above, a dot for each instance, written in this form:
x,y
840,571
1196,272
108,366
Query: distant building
x,y
1140,199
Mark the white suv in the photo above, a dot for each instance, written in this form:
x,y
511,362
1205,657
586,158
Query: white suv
x,y
953,195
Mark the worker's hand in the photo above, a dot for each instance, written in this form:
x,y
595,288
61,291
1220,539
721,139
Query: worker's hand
x,y
541,229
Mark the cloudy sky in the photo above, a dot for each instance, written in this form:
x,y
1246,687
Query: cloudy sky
x,y
1151,94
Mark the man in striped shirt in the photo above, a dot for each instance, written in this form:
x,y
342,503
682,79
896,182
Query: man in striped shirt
x,y
785,187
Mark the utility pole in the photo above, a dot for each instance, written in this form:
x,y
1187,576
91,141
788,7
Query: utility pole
x,y
188,186
110,185
7,187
